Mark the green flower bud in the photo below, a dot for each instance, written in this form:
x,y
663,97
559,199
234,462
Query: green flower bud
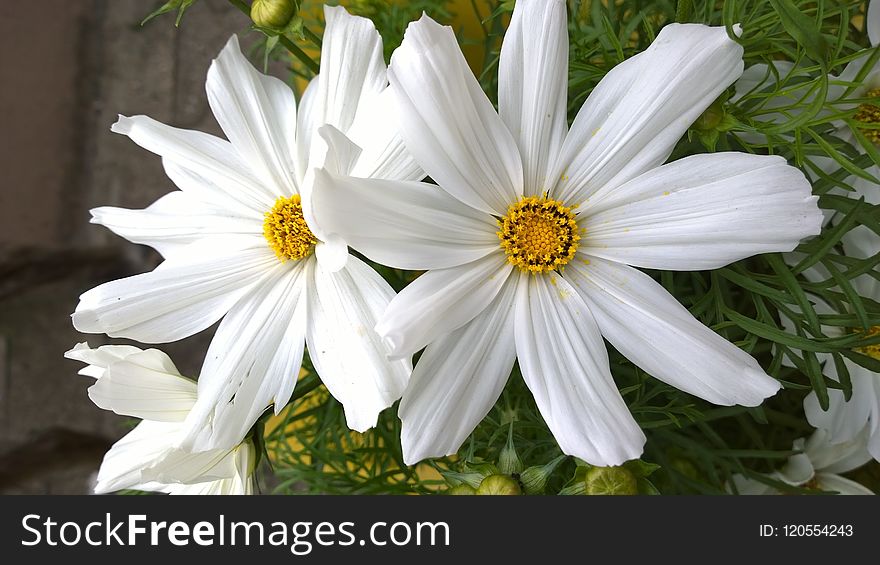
x,y
499,485
610,480
462,489
711,118
273,14
508,460
534,479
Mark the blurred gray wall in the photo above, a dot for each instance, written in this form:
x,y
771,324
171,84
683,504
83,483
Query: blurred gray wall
x,y
68,68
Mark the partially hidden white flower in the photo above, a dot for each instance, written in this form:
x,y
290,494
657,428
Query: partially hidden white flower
x,y
521,197
146,384
844,420
240,241
818,467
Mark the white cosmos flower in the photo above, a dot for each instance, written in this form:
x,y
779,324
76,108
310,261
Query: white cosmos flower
x,y
240,242
593,199
816,467
147,385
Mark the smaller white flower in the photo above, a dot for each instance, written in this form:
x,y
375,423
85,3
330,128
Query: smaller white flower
x,y
147,385
817,467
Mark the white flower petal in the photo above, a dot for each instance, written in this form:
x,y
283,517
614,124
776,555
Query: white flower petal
x,y
405,225
97,360
145,385
332,253
449,125
841,485
653,330
872,22
565,364
642,107
306,127
258,114
352,74
347,353
839,457
252,362
174,221
703,212
376,131
533,86
182,296
797,471
843,420
440,301
200,163
747,486
181,466
457,381
242,483
139,449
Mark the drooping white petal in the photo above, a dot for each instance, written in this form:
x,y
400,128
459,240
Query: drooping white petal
x,y
798,469
841,457
844,421
200,163
533,86
122,465
181,466
457,381
252,362
872,22
840,485
182,296
97,360
145,385
642,107
449,125
258,114
174,221
565,364
703,212
653,330
347,353
441,301
405,225
352,74
376,131
240,484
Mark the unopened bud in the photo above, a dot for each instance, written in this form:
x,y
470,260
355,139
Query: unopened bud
x,y
499,485
534,479
610,480
508,460
273,14
711,118
462,489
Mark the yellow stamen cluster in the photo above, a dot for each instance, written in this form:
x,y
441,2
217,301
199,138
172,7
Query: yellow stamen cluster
x,y
869,113
286,230
538,234
870,350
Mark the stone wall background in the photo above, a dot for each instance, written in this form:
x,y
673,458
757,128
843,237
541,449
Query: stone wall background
x,y
68,68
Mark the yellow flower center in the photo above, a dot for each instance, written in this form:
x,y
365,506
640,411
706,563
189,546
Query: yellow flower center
x,y
286,230
870,350
869,113
538,234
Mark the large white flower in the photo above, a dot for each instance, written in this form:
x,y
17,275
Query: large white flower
x,y
521,196
240,242
147,385
817,466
